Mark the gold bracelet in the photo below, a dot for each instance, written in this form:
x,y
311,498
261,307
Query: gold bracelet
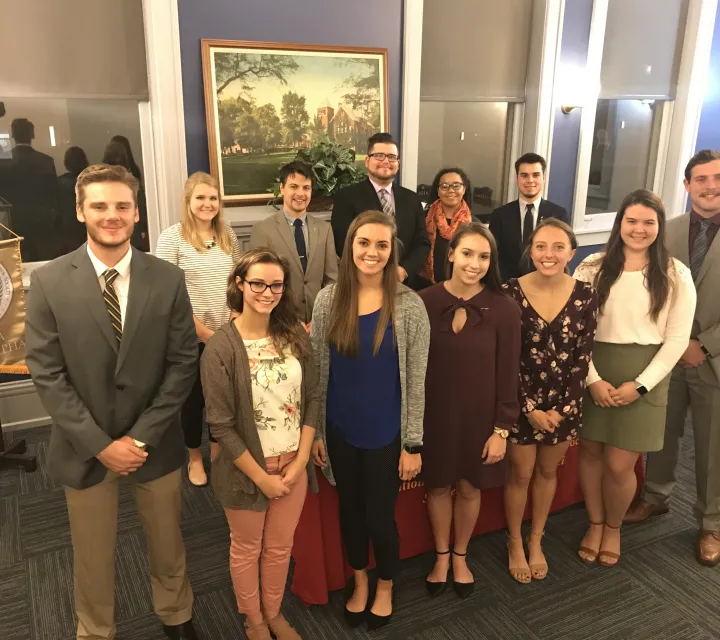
x,y
503,433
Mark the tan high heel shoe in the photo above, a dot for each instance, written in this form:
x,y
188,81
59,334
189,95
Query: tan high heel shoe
x,y
591,553
520,574
609,558
538,571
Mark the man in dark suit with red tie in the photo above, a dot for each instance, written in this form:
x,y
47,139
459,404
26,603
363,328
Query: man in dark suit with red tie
x,y
378,193
513,223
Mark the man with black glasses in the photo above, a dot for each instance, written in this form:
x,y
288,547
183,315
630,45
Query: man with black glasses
x,y
378,193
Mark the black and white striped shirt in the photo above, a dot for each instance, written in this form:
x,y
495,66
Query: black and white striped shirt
x,y
206,273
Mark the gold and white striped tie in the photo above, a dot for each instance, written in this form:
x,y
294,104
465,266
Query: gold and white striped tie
x,y
112,303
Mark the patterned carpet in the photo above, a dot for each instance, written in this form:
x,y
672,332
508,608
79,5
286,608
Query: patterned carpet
x,y
658,591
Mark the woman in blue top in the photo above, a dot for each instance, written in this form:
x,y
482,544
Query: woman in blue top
x,y
370,336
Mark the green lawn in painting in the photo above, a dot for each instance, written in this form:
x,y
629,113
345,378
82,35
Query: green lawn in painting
x,y
256,173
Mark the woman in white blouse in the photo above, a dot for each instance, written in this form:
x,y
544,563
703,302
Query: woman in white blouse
x,y
206,249
647,303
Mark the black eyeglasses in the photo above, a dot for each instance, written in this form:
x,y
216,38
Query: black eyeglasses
x,y
259,287
390,157
455,186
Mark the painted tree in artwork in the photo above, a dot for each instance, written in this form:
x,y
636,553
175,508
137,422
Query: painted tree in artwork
x,y
249,133
295,117
365,99
249,67
270,125
230,111
317,131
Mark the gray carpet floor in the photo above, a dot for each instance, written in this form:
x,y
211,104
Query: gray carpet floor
x,y
657,592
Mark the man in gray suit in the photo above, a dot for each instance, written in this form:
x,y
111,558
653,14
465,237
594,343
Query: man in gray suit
x,y
112,350
695,383
306,241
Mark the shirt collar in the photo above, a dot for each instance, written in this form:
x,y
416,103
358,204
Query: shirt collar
x,y
379,188
524,203
291,219
696,217
122,267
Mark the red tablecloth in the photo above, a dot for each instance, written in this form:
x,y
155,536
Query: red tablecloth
x,y
320,564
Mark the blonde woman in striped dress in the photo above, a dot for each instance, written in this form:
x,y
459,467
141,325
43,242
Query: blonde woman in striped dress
x,y
206,249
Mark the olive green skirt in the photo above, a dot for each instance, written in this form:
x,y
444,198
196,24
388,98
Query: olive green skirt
x,y
638,426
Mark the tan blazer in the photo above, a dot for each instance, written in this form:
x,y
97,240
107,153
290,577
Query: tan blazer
x,y
322,269
706,326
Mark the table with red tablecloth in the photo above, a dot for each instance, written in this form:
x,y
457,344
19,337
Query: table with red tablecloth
x,y
320,564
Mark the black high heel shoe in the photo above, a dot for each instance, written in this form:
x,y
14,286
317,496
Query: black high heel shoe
x,y
463,589
355,618
374,621
436,588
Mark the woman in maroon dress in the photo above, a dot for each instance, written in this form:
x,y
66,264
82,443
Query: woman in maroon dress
x,y
471,395
559,316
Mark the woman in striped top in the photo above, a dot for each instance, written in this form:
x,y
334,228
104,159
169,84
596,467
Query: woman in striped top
x,y
206,249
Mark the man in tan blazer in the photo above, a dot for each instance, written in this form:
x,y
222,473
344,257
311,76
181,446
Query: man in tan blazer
x,y
695,384
306,241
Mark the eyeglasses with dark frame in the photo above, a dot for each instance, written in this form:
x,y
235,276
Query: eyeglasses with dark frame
x,y
256,286
380,157
453,186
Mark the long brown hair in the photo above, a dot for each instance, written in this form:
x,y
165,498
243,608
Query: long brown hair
x,y
188,225
612,261
491,280
285,330
343,329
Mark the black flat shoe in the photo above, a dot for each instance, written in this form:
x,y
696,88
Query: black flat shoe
x,y
375,622
355,618
184,631
436,588
463,589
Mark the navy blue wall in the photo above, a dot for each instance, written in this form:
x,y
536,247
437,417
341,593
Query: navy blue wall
x,y
566,132
709,130
370,23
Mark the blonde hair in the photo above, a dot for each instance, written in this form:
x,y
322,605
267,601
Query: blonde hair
x,y
104,173
188,224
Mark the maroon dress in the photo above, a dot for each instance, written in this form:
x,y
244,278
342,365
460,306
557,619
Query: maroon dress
x,y
471,385
554,362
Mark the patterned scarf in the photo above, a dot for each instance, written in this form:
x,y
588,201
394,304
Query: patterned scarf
x,y
437,222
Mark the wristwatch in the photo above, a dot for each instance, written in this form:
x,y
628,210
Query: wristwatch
x,y
640,388
704,350
412,449
503,433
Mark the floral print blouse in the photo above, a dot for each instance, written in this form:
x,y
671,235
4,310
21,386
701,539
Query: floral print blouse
x,y
276,379
554,362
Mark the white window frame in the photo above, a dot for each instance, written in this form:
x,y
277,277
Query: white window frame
x,y
532,121
678,125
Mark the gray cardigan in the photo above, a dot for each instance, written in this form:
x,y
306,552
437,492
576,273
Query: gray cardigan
x,y
412,332
227,387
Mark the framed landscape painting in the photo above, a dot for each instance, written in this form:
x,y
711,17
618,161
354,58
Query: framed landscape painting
x,y
265,101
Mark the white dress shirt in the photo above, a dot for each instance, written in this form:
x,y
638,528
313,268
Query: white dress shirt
x,y
122,282
523,206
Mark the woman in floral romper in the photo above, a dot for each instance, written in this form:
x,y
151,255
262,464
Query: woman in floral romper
x,y
559,316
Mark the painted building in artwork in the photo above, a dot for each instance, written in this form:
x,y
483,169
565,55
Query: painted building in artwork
x,y
344,126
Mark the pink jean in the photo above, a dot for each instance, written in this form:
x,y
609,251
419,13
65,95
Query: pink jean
x,y
269,533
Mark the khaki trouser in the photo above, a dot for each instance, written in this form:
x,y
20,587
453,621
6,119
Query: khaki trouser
x,y
93,524
688,390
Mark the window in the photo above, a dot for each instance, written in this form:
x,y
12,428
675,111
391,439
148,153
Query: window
x,y
45,145
626,133
471,136
62,107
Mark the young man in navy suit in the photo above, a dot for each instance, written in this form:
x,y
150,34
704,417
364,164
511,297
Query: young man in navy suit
x,y
378,193
513,223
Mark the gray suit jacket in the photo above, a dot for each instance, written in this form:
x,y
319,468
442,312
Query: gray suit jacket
x,y
96,393
322,269
706,326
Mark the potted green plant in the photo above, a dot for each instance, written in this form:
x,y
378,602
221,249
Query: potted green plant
x,y
334,168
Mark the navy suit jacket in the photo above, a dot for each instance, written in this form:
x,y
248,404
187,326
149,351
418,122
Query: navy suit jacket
x,y
505,226
351,201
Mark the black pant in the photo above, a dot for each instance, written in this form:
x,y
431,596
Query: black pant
x,y
191,415
368,484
